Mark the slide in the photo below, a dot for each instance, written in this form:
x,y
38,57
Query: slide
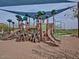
x,y
52,39
10,35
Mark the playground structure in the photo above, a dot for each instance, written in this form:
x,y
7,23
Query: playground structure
x,y
34,33
17,45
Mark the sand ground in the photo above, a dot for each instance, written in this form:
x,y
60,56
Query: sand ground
x,y
68,49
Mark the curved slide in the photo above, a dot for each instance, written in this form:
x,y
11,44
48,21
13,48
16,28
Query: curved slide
x,y
52,39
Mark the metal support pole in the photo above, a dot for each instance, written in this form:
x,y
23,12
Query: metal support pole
x,y
53,25
47,28
78,19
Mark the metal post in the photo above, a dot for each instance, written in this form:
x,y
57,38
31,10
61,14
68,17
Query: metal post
x,y
78,19
19,24
53,25
13,27
29,21
47,28
25,25
9,27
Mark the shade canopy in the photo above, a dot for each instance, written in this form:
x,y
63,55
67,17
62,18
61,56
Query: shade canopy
x,y
33,14
28,2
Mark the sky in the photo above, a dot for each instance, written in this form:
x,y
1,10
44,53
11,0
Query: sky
x,y
67,21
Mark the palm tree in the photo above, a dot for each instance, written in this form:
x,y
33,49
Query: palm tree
x,y
53,12
13,25
9,20
18,19
25,19
39,16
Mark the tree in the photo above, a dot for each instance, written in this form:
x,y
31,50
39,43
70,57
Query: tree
x,y
40,13
39,16
9,20
25,19
19,18
3,27
53,12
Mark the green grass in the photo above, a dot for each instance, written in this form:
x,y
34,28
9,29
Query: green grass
x,y
59,32
62,31
66,31
43,27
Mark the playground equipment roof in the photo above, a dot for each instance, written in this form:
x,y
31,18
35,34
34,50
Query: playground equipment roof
x,y
28,2
33,14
